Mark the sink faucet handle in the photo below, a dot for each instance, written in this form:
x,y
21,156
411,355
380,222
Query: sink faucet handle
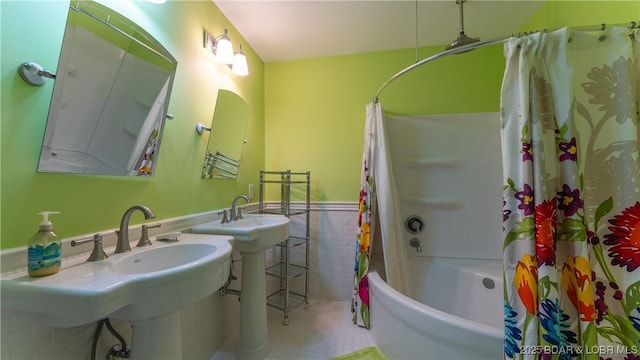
x,y
239,215
225,218
97,254
144,237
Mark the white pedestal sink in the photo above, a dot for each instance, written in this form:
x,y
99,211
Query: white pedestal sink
x,y
147,286
253,235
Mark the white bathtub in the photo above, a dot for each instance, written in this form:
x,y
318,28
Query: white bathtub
x,y
452,315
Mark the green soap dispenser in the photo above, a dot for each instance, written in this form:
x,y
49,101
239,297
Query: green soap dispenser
x,y
43,254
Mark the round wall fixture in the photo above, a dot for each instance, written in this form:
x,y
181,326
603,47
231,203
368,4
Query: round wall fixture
x,y
414,224
200,128
488,283
34,74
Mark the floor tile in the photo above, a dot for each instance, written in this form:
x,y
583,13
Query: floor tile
x,y
322,331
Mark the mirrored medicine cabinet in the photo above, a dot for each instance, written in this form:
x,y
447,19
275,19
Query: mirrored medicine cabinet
x,y
227,136
110,96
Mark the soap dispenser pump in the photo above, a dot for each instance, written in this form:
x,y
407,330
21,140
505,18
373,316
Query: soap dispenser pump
x,y
44,251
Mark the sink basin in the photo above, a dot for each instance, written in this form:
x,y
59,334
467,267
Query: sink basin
x,y
254,233
144,283
163,259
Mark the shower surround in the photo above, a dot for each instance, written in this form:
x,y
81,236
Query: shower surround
x,y
448,174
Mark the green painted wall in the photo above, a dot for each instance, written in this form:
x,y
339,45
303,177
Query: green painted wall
x,y
305,115
32,31
557,14
315,109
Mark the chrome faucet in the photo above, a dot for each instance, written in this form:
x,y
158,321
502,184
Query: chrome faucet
x,y
123,234
237,214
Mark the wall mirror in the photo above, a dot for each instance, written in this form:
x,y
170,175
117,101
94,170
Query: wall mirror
x,y
110,96
227,137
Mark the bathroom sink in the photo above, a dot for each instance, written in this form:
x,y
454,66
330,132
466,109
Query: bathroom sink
x,y
253,233
162,259
144,283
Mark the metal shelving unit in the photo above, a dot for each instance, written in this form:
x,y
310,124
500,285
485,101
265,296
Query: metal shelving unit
x,y
285,269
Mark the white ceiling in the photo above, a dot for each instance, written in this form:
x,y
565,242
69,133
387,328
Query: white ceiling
x,y
298,29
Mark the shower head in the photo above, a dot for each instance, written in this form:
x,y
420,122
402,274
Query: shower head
x,y
462,39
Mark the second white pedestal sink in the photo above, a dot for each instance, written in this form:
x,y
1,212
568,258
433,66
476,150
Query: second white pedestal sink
x,y
147,286
253,235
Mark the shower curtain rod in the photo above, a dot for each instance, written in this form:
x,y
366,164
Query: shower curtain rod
x,y
480,44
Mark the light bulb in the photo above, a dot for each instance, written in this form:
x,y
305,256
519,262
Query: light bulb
x,y
239,66
224,49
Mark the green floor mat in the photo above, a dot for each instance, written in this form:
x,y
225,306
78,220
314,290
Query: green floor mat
x,y
368,353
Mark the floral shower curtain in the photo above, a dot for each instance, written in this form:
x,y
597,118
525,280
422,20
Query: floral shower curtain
x,y
360,296
145,148
377,186
570,103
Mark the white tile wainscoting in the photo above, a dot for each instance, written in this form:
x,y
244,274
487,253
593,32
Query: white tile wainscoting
x,y
207,324
333,229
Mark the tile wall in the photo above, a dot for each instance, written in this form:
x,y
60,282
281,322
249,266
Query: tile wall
x,y
332,251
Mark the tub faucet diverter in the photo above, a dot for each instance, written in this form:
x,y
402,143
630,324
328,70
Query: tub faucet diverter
x,y
415,243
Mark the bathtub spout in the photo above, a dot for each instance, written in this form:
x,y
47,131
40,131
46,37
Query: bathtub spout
x,y
415,243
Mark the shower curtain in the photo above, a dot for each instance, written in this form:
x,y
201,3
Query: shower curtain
x,y
143,154
377,186
571,195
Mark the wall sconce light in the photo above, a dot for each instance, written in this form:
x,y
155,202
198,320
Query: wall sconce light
x,y
239,66
222,48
